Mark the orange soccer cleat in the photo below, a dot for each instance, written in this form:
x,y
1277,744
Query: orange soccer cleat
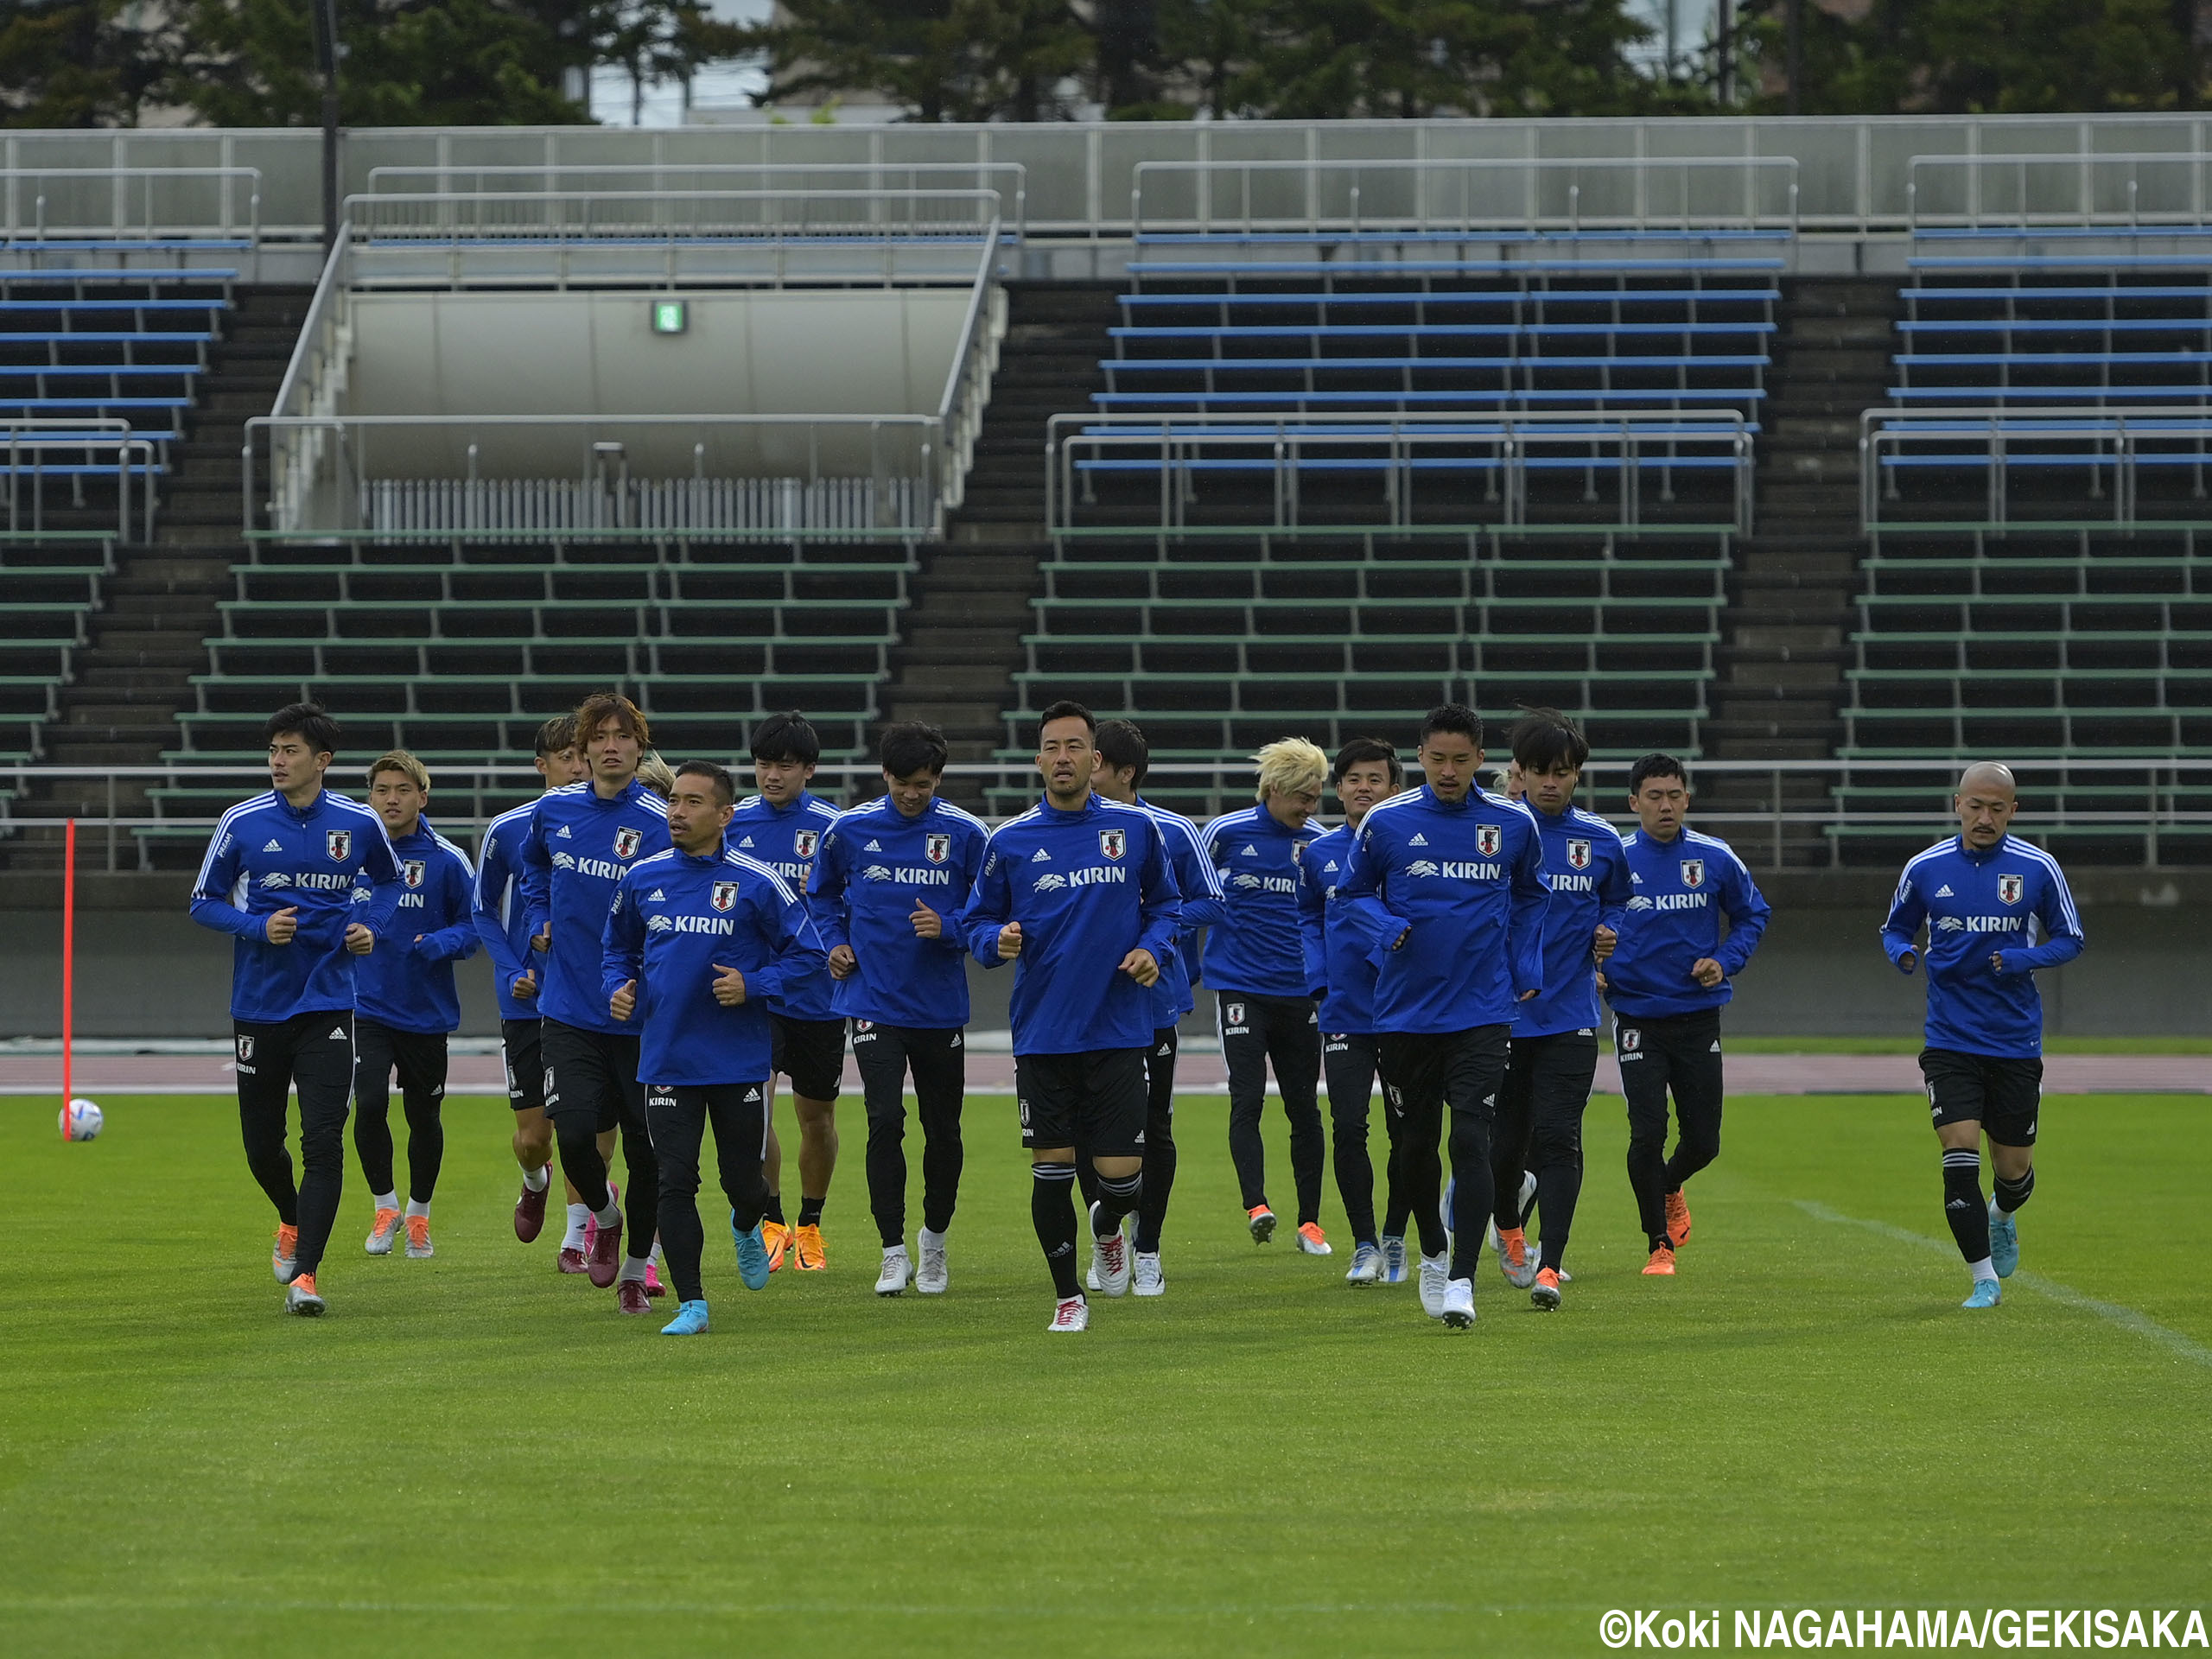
x,y
1545,1292
286,1253
778,1239
1678,1220
1661,1262
807,1254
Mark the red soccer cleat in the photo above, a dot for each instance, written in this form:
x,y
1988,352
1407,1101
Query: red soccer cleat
x,y
530,1211
630,1297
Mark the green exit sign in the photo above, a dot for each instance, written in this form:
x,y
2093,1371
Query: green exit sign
x,y
668,316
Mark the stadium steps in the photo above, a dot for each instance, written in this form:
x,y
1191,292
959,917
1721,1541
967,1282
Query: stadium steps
x,y
1780,667
201,502
1048,364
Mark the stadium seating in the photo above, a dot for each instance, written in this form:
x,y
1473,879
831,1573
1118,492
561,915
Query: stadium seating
x,y
127,345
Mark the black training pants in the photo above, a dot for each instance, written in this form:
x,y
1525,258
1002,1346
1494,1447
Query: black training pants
x,y
1158,1143
1350,1063
1547,1081
591,1086
1681,1052
884,1055
1422,1074
678,1117
419,1057
1283,1030
315,1052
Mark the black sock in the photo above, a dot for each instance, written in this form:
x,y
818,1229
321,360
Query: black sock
x,y
1116,1198
1051,1209
1963,1203
809,1211
2011,1195
775,1210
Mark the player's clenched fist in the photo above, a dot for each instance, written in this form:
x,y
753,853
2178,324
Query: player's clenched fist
x,y
281,926
624,1002
1140,966
1009,941
729,987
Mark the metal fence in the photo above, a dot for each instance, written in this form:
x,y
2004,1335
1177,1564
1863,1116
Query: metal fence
x,y
2130,190
38,455
74,207
2105,452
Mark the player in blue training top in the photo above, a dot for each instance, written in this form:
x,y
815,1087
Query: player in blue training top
x,y
306,881
1668,980
1078,891
580,841
1124,758
1452,881
517,973
405,1005
1341,950
1256,963
698,939
1983,894
1553,1062
890,880
782,826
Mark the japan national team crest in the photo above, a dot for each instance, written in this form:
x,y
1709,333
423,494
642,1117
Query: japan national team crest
x,y
1631,1039
1235,1013
627,841
414,870
805,843
724,895
1112,843
937,849
2009,888
1488,839
245,1049
339,843
1692,872
1578,854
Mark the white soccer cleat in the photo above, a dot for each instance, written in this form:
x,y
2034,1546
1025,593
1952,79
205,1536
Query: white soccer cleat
x,y
1394,1260
1435,1279
1527,1198
898,1272
1146,1278
934,1274
1459,1304
1110,1255
1366,1265
1073,1314
382,1231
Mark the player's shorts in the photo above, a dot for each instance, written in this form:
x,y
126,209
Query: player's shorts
x,y
525,1065
1095,1100
812,1053
2003,1095
591,1072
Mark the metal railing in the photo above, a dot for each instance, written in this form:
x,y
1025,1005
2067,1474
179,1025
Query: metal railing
x,y
2109,448
86,448
41,206
2153,803
1504,452
2087,190
1469,196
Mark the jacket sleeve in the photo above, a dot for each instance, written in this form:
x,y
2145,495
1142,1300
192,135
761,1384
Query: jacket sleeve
x,y
211,904
1748,911
381,865
536,879
1907,912
1161,901
1197,881
796,947
826,892
973,847
457,941
1532,902
622,943
1313,927
495,868
1615,889
1360,893
2062,939
989,907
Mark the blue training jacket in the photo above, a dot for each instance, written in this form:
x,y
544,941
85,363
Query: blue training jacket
x,y
788,839
676,917
267,856
1673,918
1088,887
1340,943
406,982
1977,905
1588,867
1199,889
575,849
1464,883
874,865
1259,949
502,914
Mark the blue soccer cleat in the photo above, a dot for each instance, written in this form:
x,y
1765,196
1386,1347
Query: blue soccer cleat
x,y
2004,1243
1394,1260
690,1320
753,1266
1986,1293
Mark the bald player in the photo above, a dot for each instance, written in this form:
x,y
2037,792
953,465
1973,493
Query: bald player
x,y
1996,909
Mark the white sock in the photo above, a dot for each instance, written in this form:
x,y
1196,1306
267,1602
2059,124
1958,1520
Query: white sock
x,y
537,1180
574,1238
1981,1269
654,1255
633,1267
610,1216
415,1209
932,1241
387,1201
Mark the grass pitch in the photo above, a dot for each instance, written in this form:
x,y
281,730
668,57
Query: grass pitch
x,y
474,1455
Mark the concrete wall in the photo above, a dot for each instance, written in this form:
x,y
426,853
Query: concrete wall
x,y
144,971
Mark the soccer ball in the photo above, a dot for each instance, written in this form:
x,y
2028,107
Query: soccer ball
x,y
81,1121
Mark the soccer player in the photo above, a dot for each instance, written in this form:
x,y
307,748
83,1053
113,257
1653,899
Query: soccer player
x,y
1668,980
405,1005
1255,962
1554,1059
1078,891
1984,894
1450,880
782,826
1124,758
890,878
580,841
281,876
698,939
1341,950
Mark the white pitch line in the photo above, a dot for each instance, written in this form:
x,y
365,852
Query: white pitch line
x,y
2126,1319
